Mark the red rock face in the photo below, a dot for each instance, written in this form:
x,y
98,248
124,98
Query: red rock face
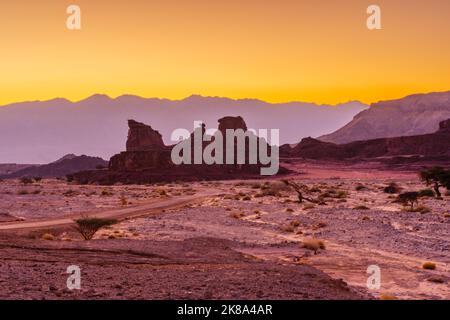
x,y
428,145
142,137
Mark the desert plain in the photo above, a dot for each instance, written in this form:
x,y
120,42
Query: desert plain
x,y
238,239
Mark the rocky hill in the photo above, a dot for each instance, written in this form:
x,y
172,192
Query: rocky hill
x,y
414,115
429,145
66,165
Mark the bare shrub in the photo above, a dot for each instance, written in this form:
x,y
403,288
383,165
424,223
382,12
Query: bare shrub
x,y
48,236
429,266
88,227
313,244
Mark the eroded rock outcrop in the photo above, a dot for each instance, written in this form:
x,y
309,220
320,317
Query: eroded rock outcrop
x,y
148,160
142,137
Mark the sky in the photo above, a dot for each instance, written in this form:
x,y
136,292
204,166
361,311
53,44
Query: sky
x,y
275,50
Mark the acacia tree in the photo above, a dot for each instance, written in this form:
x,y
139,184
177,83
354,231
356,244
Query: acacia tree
x,y
437,177
88,227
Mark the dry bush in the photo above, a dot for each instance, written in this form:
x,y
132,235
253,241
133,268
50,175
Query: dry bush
x,y
87,227
361,207
308,206
295,223
289,210
69,193
237,215
313,244
48,236
385,296
106,193
334,193
273,189
429,266
288,229
22,192
26,180
320,225
360,187
420,209
246,198
392,188
426,193
439,280
123,200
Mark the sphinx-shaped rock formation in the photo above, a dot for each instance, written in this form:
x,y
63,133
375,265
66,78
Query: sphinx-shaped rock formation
x,y
145,150
148,160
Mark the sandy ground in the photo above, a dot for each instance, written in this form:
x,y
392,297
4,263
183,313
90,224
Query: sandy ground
x,y
258,235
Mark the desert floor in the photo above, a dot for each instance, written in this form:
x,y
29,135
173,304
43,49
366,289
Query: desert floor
x,y
227,239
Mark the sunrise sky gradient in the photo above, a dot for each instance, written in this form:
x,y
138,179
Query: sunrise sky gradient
x,y
275,50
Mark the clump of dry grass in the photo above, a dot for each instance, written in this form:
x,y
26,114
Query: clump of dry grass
x,y
69,193
361,207
392,188
123,200
48,236
289,210
308,206
313,244
106,193
288,228
439,280
272,189
246,198
237,215
334,194
419,209
385,296
295,223
429,266
360,187
320,225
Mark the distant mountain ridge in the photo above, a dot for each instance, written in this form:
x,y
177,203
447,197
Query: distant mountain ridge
x,y
41,131
413,115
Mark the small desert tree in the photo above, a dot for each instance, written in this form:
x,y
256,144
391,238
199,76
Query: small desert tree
x,y
300,189
87,227
410,198
437,177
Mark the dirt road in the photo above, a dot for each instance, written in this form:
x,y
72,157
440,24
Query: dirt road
x,y
118,214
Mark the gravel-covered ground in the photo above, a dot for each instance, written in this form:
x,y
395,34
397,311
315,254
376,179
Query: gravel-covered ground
x,y
251,240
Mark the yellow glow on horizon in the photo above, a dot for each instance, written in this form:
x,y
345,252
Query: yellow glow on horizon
x,y
277,51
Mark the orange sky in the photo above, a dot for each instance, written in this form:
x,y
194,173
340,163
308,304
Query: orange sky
x,y
275,50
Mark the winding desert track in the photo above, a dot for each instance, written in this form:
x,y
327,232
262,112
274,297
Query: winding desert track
x,y
118,214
